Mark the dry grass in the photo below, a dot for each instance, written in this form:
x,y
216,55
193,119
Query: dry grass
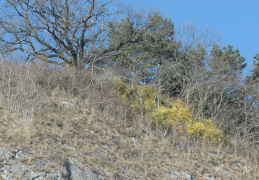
x,y
99,130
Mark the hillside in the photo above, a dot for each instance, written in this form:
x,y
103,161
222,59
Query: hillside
x,y
58,124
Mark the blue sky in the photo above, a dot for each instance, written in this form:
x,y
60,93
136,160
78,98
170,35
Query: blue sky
x,y
235,21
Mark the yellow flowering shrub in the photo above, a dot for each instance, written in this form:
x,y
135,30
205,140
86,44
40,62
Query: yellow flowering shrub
x,y
179,117
176,116
138,97
205,130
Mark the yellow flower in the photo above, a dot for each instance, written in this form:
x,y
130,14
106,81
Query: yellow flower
x,y
142,98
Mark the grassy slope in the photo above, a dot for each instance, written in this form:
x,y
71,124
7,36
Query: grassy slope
x,y
100,132
128,151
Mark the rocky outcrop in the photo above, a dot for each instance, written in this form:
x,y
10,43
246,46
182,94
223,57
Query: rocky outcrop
x,y
11,168
78,171
181,175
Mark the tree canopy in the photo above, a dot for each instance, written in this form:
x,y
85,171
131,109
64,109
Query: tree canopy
x,y
62,32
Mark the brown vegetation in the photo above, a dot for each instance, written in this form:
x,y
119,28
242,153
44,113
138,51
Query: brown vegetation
x,y
100,130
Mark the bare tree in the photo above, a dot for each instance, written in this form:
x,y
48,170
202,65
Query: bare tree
x,y
62,32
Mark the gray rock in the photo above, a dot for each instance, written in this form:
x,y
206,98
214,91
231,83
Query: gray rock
x,y
210,178
4,153
22,154
11,165
6,175
15,167
173,176
212,155
34,175
237,164
223,173
180,175
65,104
78,171
53,176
